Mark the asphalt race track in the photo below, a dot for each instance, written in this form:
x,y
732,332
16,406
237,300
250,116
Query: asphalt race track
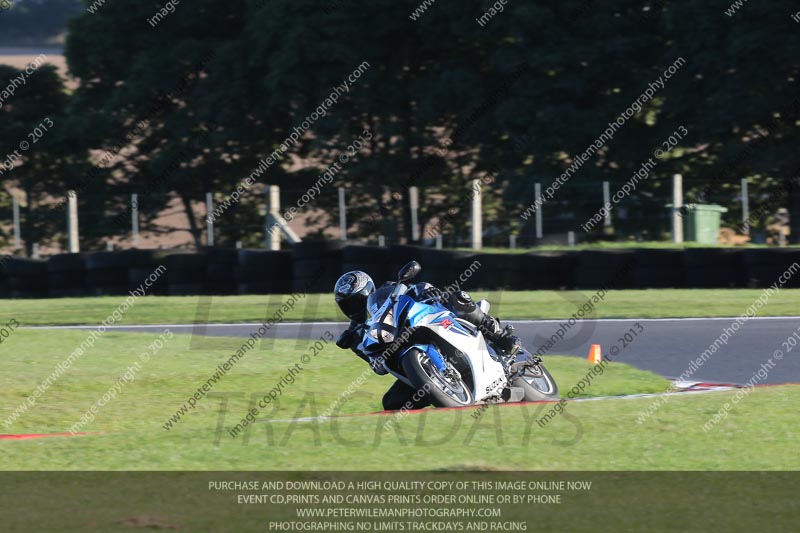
x,y
664,346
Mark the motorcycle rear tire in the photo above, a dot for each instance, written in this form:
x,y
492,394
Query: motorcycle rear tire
x,y
534,392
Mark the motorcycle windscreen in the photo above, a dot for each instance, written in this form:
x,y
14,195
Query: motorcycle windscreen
x,y
377,299
384,330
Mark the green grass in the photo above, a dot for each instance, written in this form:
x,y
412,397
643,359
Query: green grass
x,y
651,303
601,435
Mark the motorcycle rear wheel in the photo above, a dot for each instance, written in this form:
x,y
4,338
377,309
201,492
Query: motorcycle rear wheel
x,y
537,383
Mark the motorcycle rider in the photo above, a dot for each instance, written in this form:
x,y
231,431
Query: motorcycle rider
x,y
351,293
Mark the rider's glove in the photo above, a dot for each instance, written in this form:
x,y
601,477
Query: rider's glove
x,y
349,338
376,363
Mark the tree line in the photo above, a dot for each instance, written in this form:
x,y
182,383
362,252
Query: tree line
x,y
194,105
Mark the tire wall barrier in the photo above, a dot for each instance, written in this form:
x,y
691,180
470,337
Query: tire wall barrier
x,y
314,267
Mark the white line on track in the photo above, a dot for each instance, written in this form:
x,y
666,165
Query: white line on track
x,y
591,399
687,319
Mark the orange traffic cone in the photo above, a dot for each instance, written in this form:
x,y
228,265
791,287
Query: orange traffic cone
x,y
595,354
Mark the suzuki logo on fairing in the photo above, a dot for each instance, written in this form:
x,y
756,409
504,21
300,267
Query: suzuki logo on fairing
x,y
494,384
451,325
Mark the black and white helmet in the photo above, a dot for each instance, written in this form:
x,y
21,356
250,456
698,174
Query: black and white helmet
x,y
351,293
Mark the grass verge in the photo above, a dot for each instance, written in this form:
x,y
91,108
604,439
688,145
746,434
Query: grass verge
x,y
601,435
652,303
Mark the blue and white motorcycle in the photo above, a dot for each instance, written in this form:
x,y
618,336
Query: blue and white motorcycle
x,y
428,347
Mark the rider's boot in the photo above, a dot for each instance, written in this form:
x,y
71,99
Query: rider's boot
x,y
501,337
465,307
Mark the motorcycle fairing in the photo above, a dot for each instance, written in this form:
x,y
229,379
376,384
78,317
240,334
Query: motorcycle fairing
x,y
488,375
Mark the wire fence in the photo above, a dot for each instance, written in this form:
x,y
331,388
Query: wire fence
x,y
578,212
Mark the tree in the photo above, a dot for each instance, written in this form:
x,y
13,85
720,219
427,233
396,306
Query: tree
x,y
142,95
37,150
443,99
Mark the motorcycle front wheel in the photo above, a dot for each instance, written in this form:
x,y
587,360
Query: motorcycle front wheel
x,y
445,391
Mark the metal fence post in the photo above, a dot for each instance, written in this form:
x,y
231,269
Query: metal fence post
x,y
745,208
17,232
342,215
413,200
477,221
273,236
72,222
606,201
135,219
537,192
209,218
677,205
